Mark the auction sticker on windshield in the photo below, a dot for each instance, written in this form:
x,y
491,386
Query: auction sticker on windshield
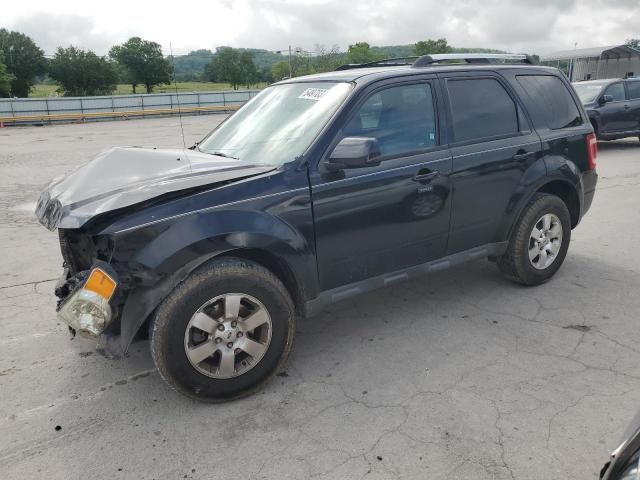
x,y
313,93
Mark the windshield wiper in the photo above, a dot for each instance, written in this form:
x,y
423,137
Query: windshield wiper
x,y
221,154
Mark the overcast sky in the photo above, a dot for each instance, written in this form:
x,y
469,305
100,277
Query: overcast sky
x,y
531,26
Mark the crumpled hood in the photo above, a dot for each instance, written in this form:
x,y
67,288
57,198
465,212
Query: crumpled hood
x,y
121,177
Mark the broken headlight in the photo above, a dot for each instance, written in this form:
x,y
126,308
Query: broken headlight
x,y
87,310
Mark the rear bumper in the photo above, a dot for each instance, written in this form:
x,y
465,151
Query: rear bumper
x,y
589,181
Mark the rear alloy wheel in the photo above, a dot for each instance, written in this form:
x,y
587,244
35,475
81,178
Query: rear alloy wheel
x,y
539,241
545,241
224,331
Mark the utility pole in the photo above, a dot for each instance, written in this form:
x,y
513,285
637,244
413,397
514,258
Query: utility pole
x,y
290,72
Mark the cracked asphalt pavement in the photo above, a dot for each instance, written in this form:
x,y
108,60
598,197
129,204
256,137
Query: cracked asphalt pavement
x,y
458,375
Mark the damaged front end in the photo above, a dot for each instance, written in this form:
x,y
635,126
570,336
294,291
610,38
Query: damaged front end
x,y
101,284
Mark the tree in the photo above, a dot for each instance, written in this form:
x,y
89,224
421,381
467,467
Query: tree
x,y
24,60
144,63
426,47
5,79
633,43
326,60
248,70
266,75
361,53
81,73
225,67
232,66
280,70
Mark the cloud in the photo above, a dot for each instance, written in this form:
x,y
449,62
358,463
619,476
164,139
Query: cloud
x,y
533,26
51,31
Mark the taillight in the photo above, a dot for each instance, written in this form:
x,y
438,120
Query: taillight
x,y
592,150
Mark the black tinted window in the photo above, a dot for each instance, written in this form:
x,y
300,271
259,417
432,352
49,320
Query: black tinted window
x,y
481,108
401,118
550,102
634,89
616,91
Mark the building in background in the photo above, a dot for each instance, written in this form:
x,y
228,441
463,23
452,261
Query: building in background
x,y
616,61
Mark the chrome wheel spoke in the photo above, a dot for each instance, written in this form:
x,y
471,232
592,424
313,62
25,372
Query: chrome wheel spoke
x,y
252,322
232,306
554,247
536,234
204,322
201,352
546,222
251,347
534,252
227,366
556,231
542,261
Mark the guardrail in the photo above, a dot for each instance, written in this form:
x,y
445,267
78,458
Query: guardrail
x,y
29,111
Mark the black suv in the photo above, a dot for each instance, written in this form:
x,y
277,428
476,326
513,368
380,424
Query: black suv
x,y
613,106
319,189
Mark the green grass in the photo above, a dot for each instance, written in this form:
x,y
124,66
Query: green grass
x,y
44,90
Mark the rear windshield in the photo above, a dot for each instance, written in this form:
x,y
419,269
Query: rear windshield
x,y
549,102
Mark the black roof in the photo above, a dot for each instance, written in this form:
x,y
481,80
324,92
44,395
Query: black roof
x,y
370,74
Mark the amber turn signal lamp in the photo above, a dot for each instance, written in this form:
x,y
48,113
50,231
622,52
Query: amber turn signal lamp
x,y
101,283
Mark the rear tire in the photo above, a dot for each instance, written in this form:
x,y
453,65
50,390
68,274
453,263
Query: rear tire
x,y
539,241
224,331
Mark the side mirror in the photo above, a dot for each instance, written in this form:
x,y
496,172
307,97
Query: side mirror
x,y
354,152
605,99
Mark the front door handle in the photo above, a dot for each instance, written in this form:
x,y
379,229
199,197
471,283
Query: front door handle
x,y
627,107
425,176
521,156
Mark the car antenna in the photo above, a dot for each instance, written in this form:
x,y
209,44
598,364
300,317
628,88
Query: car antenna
x,y
175,83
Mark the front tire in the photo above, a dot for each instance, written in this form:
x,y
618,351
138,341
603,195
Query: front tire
x,y
224,331
539,242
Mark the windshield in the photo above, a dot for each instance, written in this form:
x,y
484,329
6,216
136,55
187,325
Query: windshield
x,y
278,124
588,91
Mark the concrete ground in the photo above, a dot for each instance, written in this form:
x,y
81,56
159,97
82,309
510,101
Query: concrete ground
x,y
459,375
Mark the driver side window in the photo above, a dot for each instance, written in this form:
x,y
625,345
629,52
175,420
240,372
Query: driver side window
x,y
616,91
402,118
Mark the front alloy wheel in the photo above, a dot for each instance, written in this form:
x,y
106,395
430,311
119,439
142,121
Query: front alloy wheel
x,y
228,335
224,331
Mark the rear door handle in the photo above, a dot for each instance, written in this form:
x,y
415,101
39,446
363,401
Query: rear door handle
x,y
627,107
425,176
520,156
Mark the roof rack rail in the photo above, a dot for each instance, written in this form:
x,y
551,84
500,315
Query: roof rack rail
x,y
380,63
427,60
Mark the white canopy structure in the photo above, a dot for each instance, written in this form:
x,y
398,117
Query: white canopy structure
x,y
613,61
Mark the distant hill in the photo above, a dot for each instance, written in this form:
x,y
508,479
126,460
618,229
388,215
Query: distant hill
x,y
408,50
190,67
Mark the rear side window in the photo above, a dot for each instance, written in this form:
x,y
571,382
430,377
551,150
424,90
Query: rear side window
x,y
550,102
481,108
634,90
